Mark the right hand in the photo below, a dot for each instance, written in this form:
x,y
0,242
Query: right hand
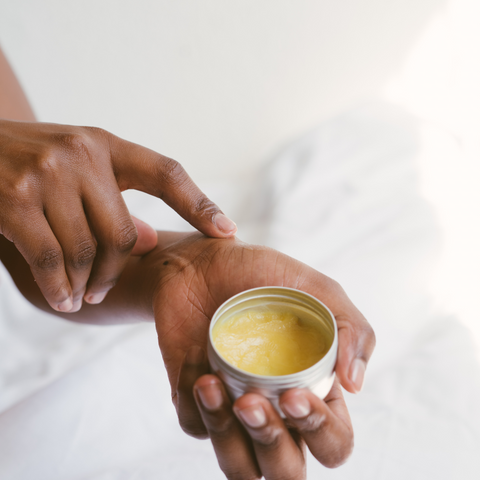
x,y
60,204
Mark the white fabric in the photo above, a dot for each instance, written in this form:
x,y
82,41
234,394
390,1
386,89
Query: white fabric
x,y
82,402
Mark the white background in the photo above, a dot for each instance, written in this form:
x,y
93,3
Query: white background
x,y
222,86
218,85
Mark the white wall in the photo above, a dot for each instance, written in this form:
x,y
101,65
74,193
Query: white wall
x,y
217,84
440,81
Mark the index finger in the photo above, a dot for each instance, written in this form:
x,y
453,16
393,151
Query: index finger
x,y
143,169
324,424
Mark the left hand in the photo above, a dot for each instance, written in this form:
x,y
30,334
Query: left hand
x,y
185,279
251,440
197,274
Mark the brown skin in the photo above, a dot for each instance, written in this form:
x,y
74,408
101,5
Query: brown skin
x,y
60,200
13,102
14,105
180,284
60,204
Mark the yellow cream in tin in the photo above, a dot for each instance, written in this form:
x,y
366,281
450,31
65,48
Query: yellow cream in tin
x,y
270,342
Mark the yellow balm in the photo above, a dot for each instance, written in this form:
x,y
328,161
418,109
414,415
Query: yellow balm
x,y
270,342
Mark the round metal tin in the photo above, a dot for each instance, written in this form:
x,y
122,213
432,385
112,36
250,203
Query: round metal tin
x,y
318,378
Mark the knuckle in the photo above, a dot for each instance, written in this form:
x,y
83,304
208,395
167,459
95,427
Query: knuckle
x,y
312,424
83,256
23,189
103,285
19,187
370,335
221,428
98,136
125,238
67,148
170,173
364,336
268,438
70,141
336,288
49,259
205,206
96,132
49,162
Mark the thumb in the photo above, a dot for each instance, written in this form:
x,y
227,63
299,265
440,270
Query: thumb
x,y
356,342
147,238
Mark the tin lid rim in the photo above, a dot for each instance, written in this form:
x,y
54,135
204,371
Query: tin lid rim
x,y
277,378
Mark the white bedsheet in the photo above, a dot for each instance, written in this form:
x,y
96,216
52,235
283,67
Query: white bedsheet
x,y
84,402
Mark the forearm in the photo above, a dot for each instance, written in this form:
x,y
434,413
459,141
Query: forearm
x,y
13,102
129,301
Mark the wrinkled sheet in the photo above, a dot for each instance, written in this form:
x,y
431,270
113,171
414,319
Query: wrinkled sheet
x,y
85,402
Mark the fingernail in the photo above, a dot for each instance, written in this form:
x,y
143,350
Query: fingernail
x,y
210,396
224,224
253,416
297,406
194,356
76,306
357,373
65,306
95,298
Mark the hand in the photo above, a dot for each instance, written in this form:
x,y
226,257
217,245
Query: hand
x,y
60,204
251,440
181,283
197,275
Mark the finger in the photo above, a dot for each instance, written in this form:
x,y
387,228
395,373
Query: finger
x,y
147,238
232,446
324,425
356,338
356,342
35,240
277,452
67,220
115,234
143,169
194,366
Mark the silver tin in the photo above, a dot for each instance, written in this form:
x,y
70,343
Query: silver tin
x,y
318,378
